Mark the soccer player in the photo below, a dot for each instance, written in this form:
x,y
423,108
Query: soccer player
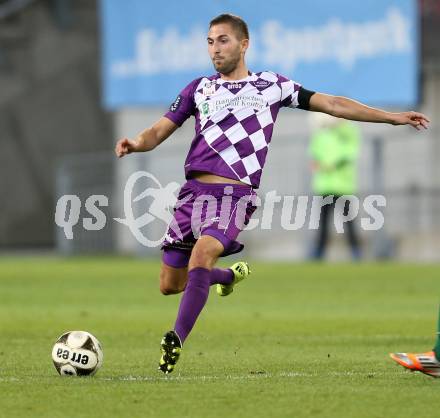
x,y
235,111
428,363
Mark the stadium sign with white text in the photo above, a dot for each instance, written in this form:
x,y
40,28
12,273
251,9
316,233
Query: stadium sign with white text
x,y
365,50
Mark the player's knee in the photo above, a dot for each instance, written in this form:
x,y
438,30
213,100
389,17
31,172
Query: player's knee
x,y
170,285
166,289
205,253
202,257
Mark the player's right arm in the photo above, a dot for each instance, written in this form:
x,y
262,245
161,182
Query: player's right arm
x,y
148,139
180,110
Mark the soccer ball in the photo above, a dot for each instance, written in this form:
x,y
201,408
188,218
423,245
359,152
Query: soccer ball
x,y
77,353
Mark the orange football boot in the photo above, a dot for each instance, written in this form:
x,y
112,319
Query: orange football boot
x,y
423,362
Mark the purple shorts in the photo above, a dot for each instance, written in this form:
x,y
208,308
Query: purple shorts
x,y
221,210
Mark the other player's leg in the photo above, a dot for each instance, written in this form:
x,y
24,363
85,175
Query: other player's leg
x,y
351,234
428,363
322,238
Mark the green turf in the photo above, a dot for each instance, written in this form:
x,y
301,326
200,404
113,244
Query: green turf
x,y
292,341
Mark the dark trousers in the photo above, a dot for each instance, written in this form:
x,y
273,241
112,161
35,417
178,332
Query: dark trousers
x,y
323,235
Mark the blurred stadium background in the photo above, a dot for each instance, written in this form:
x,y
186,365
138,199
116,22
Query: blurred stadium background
x,y
77,75
299,339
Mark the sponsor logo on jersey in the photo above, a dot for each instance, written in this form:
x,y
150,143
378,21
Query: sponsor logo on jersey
x,y
209,89
262,83
235,86
176,104
205,108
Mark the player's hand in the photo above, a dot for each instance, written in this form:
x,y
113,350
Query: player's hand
x,y
125,146
415,119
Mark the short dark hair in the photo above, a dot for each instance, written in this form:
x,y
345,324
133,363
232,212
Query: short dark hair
x,y
237,23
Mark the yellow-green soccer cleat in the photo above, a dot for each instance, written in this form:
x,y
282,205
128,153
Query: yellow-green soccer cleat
x,y
171,346
241,270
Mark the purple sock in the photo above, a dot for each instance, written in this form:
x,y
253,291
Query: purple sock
x,y
193,300
221,276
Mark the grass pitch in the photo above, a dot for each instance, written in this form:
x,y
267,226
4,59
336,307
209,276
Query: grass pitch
x,y
292,341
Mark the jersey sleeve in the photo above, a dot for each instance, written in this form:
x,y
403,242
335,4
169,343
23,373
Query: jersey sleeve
x,y
289,92
184,105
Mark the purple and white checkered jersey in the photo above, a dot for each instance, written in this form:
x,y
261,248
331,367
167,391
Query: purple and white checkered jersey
x,y
234,122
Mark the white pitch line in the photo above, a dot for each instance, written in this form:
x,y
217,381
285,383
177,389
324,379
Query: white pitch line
x,y
255,376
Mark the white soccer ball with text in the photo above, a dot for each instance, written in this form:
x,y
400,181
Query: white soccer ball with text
x,y
77,353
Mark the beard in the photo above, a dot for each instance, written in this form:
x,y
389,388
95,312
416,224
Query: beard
x,y
226,66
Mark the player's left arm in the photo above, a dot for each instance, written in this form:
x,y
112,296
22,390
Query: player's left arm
x,y
343,107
